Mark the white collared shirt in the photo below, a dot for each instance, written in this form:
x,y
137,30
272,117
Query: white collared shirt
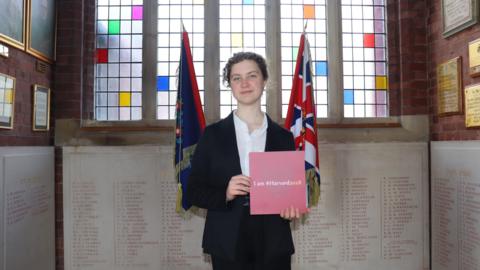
x,y
249,142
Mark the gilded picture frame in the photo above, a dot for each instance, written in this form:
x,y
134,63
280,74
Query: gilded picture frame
x,y
13,26
474,57
472,106
41,30
449,87
7,101
41,108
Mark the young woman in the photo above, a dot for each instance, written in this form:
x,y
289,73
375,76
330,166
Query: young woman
x,y
220,182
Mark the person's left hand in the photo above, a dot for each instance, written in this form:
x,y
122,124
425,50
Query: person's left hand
x,y
290,213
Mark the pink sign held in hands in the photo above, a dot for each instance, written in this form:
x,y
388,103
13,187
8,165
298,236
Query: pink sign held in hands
x,y
278,182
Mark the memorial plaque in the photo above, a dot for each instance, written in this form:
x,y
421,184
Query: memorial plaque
x,y
28,212
119,210
474,57
458,15
449,85
472,105
373,212
455,205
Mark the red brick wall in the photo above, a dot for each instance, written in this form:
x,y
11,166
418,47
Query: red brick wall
x,y
74,81
441,49
68,71
59,251
407,57
74,65
21,66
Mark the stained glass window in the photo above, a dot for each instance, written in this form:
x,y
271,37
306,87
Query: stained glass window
x,y
365,71
295,14
7,96
171,15
118,78
242,28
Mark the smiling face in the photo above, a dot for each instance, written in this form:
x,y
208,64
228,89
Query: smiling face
x,y
247,82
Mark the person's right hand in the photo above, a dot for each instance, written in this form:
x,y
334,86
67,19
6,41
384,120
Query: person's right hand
x,y
238,185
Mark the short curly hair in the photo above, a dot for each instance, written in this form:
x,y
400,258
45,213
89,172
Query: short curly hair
x,y
239,57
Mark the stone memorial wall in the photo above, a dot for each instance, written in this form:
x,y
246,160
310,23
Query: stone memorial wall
x,y
119,210
27,211
455,205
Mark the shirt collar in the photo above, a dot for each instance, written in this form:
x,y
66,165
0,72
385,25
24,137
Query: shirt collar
x,y
239,123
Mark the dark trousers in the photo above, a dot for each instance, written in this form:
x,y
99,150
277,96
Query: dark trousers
x,y
250,249
274,264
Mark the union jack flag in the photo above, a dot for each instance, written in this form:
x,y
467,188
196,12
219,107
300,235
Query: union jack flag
x,y
301,119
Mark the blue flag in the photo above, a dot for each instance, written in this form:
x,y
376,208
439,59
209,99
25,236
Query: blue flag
x,y
190,121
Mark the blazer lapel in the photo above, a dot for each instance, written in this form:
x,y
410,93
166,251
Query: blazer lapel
x,y
231,144
269,144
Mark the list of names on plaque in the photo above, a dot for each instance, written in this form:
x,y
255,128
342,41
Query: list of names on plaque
x,y
455,206
317,235
86,240
358,238
126,218
130,224
28,204
399,205
28,199
468,221
456,219
443,201
17,206
181,236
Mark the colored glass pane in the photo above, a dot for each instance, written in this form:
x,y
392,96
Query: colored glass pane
x,y
321,68
369,40
381,82
8,96
163,83
237,40
309,12
113,27
381,110
381,97
247,2
124,100
137,12
102,55
348,96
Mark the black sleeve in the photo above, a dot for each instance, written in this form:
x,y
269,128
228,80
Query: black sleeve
x,y
200,192
291,142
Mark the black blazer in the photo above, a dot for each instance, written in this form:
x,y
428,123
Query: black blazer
x,y
215,161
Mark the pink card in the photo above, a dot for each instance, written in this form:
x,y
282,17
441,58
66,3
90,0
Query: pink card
x,y
278,182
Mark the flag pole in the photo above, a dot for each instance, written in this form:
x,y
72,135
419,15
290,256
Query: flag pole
x,y
179,127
